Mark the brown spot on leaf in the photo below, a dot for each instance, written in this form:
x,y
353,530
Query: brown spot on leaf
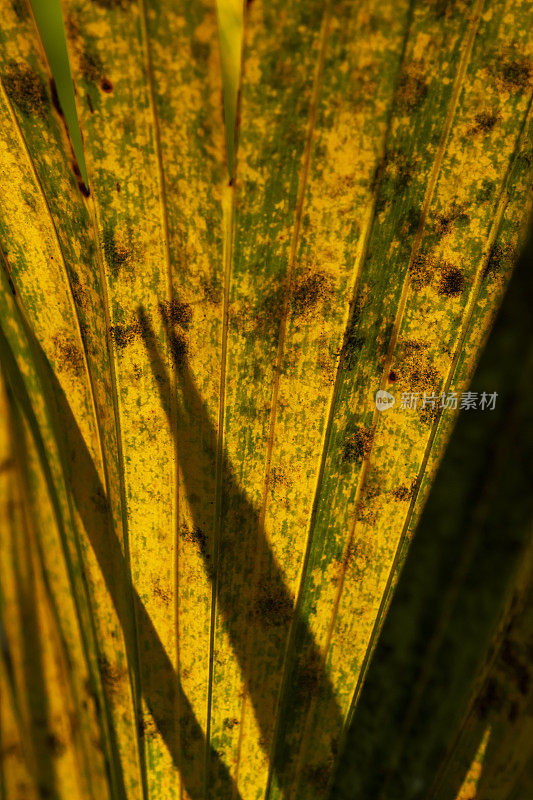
x,y
455,215
123,335
212,290
271,606
515,71
25,89
452,281
78,291
412,87
196,536
176,313
117,254
357,445
69,354
414,368
106,85
20,8
484,122
162,593
308,291
404,491
91,66
500,256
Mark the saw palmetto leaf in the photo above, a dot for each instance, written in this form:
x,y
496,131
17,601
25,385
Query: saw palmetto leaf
x,y
192,342
459,591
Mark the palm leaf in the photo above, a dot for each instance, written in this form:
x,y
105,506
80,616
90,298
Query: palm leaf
x,y
192,343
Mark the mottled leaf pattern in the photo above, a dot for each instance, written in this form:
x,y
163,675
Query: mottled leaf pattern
x,y
204,514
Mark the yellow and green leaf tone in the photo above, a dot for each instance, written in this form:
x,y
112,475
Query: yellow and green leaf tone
x,y
281,209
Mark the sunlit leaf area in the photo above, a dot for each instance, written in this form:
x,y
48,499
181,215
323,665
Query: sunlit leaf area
x,y
266,428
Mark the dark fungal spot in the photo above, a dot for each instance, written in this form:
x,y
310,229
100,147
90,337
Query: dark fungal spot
x,y
411,221
176,313
84,189
178,348
200,51
106,85
116,253
211,289
269,311
122,335
272,607
25,89
451,282
399,166
91,66
75,169
515,71
392,376
163,594
485,191
421,270
196,536
357,445
69,355
89,103
308,291
414,368
351,348
404,492
349,555
229,723
500,256
20,8
455,215
484,122
11,286
412,87
308,674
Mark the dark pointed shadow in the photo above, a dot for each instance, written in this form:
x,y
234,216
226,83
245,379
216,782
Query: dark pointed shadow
x,y
42,743
457,575
257,608
162,690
